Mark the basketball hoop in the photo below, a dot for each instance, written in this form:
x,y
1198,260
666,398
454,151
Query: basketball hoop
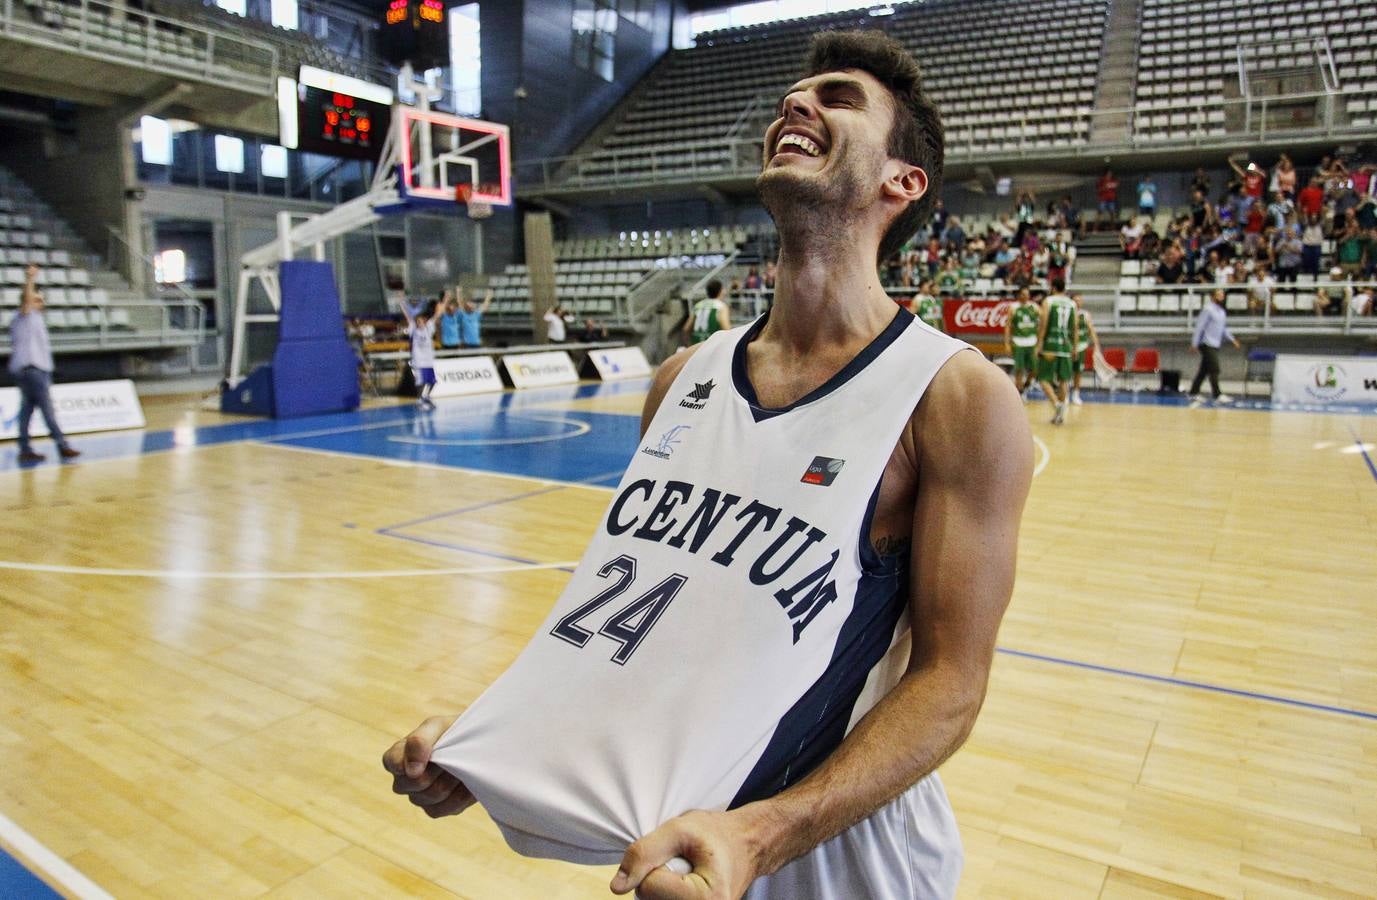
x,y
463,193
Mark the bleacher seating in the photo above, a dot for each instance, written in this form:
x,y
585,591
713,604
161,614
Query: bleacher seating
x,y
1190,52
594,275
1018,75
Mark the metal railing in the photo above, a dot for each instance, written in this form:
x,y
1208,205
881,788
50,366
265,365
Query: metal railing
x,y
1256,315
1218,122
132,325
114,32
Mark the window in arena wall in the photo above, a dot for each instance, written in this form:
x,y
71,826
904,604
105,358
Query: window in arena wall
x,y
169,267
761,12
155,140
238,7
229,154
465,59
637,12
595,36
273,161
284,14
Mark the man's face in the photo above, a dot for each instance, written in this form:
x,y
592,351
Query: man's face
x,y
828,148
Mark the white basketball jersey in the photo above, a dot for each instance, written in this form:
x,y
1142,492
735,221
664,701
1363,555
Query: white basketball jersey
x,y
730,621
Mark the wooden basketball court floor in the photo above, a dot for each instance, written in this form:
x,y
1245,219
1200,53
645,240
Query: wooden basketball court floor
x,y
210,631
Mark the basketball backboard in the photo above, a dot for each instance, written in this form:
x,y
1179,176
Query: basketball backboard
x,y
447,158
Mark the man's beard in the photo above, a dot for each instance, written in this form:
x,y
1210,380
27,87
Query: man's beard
x,y
802,204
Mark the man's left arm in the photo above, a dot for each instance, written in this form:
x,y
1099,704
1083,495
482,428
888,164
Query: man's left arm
x,y
975,464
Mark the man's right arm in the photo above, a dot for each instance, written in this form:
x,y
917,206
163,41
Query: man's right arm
x,y
29,301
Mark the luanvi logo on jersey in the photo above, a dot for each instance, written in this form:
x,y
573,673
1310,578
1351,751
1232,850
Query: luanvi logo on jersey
x,y
698,397
822,470
668,441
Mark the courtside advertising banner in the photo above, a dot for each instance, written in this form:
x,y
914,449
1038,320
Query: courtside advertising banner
x,y
1325,380
529,370
966,316
81,407
465,375
621,362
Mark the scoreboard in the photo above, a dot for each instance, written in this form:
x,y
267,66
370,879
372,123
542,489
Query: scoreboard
x,y
415,31
334,114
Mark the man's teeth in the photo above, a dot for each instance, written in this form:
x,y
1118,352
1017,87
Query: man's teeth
x,y
803,143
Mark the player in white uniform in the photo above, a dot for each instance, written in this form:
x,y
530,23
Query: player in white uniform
x,y
786,618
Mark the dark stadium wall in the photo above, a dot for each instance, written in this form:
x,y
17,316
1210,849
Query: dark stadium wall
x,y
76,172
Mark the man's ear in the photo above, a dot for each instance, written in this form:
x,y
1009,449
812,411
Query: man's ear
x,y
904,181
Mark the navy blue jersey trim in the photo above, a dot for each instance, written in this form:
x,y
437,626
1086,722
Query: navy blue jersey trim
x,y
816,724
902,319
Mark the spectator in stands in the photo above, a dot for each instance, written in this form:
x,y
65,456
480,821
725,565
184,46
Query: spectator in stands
x,y
1254,222
1363,180
31,365
1202,210
939,218
1130,239
1150,244
1350,247
1284,178
954,236
1070,215
753,281
1330,298
1287,250
1216,270
470,318
949,281
449,321
1061,253
1211,330
1171,266
769,277
1107,189
1366,212
1312,244
932,257
1200,182
1279,209
1261,286
592,331
556,323
1310,200
1253,179
1025,210
1147,196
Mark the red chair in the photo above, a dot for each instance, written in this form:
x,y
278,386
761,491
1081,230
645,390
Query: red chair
x,y
1117,357
1146,361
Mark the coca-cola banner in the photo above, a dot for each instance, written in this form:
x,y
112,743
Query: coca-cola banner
x,y
967,316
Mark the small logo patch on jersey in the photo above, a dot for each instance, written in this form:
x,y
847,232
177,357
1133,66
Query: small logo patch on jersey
x,y
822,470
668,441
698,397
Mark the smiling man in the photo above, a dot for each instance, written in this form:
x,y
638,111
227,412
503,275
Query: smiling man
x,y
786,619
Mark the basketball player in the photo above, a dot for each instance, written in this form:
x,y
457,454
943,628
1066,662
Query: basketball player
x,y
929,306
1021,334
1085,339
1057,335
420,325
816,537
709,315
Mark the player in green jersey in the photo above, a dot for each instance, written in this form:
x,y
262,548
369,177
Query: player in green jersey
x,y
927,306
1021,336
709,315
1057,335
1085,338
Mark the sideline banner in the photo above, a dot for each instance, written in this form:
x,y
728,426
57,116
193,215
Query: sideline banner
x,y
620,362
968,316
540,369
465,375
1325,379
81,407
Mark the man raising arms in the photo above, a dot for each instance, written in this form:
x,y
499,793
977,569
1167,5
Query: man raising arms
x,y
777,726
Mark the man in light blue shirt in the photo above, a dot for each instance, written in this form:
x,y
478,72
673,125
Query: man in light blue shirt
x,y
31,364
471,321
1211,330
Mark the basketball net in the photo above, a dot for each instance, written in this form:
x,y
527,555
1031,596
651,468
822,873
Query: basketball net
x,y
476,209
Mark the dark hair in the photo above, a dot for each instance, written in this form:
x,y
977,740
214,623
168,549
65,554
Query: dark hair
x,y
714,289
1058,285
916,137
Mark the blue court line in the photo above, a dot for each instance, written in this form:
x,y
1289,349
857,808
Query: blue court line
x,y
1197,685
17,882
1363,450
